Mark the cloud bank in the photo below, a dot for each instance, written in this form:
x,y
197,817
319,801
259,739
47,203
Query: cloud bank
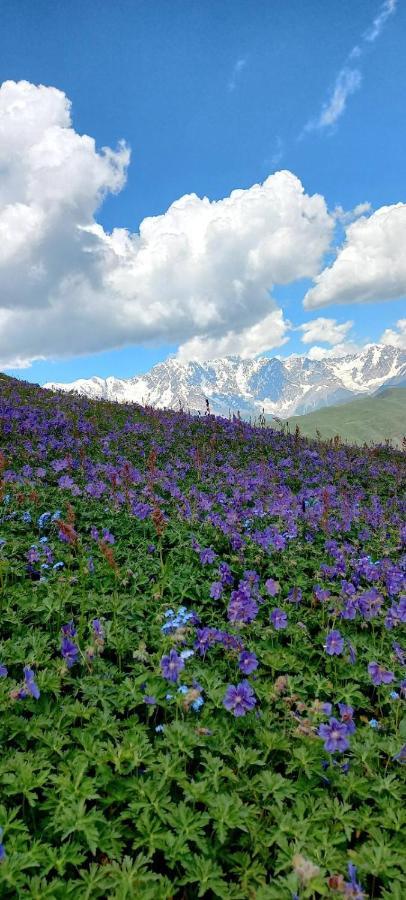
x,y
202,271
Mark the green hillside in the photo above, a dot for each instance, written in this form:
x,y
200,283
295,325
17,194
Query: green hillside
x,y
364,420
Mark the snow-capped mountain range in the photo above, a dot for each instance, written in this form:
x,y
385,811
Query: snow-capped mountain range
x,y
280,387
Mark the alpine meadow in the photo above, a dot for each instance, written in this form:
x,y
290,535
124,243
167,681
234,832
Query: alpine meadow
x,y
202,674
202,450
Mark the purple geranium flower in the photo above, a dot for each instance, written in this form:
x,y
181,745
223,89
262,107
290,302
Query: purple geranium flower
x,y
216,590
3,671
334,645
29,686
401,756
69,630
278,618
272,587
347,713
247,662
239,699
69,651
172,665
334,735
207,556
98,630
241,608
352,887
399,653
379,675
2,850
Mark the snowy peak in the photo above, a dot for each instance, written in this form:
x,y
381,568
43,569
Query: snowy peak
x,y
282,387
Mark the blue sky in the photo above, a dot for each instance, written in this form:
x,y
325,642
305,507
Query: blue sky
x,y
213,97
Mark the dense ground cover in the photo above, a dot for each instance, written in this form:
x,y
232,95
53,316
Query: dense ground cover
x,y
201,658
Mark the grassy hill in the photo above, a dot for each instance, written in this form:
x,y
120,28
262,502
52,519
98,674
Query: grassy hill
x,y
364,420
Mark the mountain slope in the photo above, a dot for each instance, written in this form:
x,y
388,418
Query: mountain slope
x,y
282,387
364,420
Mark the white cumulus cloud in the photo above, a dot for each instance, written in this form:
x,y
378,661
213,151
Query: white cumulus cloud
x,y
395,337
371,264
203,269
267,334
348,348
329,331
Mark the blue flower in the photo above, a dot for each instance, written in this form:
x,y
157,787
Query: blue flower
x,y
335,736
239,699
43,520
171,666
3,671
69,652
247,662
278,618
2,850
334,643
29,685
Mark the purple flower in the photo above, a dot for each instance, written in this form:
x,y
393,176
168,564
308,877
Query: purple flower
x,y
241,608
108,538
69,651
2,850
225,574
379,675
69,629
399,653
278,618
334,645
351,652
3,671
247,662
98,630
149,699
272,587
239,699
320,593
401,756
334,735
346,713
295,595
29,685
352,888
33,555
216,590
172,665
207,556
65,482
205,638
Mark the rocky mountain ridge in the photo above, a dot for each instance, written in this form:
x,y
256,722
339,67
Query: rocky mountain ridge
x,y
280,387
